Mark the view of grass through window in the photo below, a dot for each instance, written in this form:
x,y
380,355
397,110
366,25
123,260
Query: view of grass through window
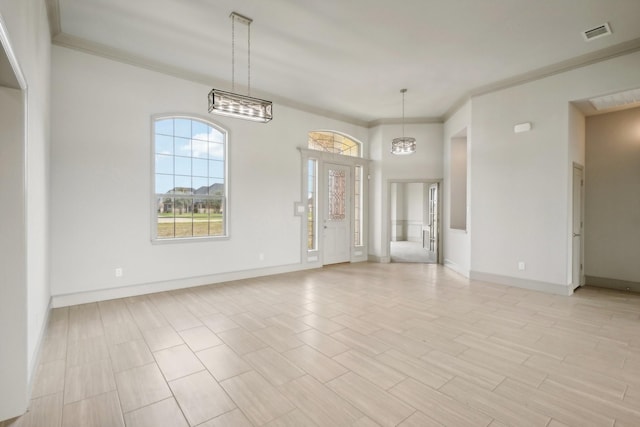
x,y
190,173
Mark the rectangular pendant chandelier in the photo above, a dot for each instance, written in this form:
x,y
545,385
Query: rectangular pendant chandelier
x,y
233,104
240,106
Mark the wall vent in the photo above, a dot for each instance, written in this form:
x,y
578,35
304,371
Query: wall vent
x,y
629,98
597,32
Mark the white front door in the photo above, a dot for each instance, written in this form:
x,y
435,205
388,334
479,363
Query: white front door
x,y
577,270
337,214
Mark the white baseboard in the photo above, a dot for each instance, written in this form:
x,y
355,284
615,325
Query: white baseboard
x,y
604,282
170,285
532,285
380,259
455,267
37,356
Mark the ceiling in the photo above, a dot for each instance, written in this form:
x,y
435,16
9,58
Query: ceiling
x,y
350,58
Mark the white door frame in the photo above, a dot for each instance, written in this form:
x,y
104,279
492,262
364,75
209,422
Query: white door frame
x,y
314,258
388,210
14,330
577,225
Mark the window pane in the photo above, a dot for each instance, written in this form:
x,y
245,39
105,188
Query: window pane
x,y
164,183
199,130
189,172
165,220
216,187
183,166
182,147
337,194
216,217
216,169
164,127
216,136
357,198
183,128
333,142
164,164
164,144
200,185
312,183
199,167
199,148
182,185
183,211
216,151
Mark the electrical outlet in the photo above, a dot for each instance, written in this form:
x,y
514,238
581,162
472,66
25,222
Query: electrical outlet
x,y
521,265
261,257
119,272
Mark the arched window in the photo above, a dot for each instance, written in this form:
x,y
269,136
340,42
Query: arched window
x,y
190,178
332,142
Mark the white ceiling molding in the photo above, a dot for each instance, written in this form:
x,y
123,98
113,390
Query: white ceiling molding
x,y
561,67
53,13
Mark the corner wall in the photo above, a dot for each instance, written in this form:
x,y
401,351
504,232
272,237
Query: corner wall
x,y
520,183
457,255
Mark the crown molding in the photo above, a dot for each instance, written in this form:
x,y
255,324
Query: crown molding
x,y
610,52
407,121
80,44
53,13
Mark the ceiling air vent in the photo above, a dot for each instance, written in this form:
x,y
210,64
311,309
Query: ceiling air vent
x,y
597,32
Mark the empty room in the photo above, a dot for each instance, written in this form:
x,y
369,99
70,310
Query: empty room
x,y
319,213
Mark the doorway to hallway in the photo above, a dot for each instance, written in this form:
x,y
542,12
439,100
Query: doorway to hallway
x,y
414,222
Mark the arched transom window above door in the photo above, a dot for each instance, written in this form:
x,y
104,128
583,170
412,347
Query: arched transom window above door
x,y
333,142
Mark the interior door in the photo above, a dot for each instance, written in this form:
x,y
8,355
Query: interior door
x,y
337,214
433,222
578,191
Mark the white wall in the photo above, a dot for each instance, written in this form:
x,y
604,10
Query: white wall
x,y
612,205
101,182
456,243
424,164
520,183
414,207
27,26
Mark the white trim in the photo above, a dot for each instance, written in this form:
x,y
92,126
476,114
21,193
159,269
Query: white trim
x,y
532,285
379,259
440,182
227,205
170,285
38,350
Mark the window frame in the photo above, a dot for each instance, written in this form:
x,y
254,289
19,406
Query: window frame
x,y
153,202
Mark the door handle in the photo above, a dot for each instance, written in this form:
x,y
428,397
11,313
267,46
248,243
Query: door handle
x,y
577,234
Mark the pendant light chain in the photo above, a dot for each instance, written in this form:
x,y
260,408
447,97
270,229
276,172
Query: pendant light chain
x,y
233,54
249,59
403,91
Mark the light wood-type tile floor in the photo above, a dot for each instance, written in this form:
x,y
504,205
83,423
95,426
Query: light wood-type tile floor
x,y
348,345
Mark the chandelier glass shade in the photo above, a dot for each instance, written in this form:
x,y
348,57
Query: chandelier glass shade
x,y
239,106
233,104
404,144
